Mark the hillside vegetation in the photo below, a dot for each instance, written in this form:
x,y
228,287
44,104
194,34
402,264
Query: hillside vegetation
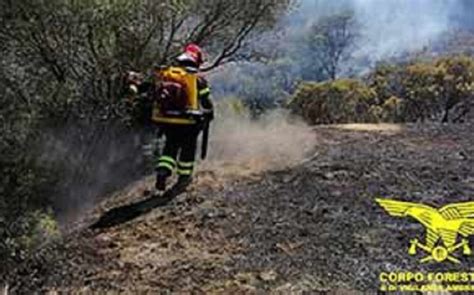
x,y
441,90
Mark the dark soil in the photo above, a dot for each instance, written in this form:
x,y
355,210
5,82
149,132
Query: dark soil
x,y
313,227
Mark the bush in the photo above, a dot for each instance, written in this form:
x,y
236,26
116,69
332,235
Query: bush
x,y
456,87
439,90
340,101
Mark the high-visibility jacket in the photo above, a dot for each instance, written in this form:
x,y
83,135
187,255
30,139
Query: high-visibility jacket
x,y
203,97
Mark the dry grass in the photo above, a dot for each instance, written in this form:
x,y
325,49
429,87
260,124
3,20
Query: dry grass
x,y
312,228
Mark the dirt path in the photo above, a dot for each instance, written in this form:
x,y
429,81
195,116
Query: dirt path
x,y
314,227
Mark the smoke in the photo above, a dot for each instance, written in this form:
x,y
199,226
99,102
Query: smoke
x,y
390,28
89,162
241,145
393,27
386,30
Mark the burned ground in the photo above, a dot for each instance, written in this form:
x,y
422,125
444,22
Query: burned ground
x,y
311,227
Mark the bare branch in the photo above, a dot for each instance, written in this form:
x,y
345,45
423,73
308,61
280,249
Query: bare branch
x,y
236,43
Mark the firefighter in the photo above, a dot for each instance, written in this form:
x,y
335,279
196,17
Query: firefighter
x,y
180,127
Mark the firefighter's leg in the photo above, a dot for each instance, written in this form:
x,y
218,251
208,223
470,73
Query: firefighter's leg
x,y
167,161
187,155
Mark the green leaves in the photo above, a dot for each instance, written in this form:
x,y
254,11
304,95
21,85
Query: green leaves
x,y
440,90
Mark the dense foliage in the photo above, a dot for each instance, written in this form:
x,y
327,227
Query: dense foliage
x,y
441,90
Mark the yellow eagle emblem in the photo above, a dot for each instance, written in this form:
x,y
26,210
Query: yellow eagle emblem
x,y
442,227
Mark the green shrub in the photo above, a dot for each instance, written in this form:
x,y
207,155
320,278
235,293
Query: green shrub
x,y
456,87
340,101
440,90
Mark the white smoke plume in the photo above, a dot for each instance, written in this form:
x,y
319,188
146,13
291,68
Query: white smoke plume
x,y
389,27
392,27
240,145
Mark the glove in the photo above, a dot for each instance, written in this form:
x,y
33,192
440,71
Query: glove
x,y
133,89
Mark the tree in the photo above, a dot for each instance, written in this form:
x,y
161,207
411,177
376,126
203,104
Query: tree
x,y
61,69
330,41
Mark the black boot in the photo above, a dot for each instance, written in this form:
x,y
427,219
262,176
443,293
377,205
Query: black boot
x,y
161,176
184,181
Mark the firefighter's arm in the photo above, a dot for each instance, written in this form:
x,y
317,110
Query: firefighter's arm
x,y
205,99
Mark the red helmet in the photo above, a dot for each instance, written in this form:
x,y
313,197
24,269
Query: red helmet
x,y
195,52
